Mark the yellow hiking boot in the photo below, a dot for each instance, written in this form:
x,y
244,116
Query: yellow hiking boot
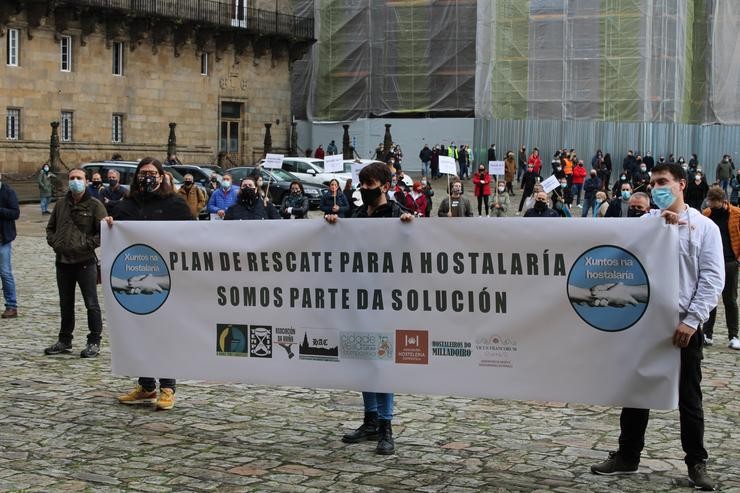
x,y
138,396
166,399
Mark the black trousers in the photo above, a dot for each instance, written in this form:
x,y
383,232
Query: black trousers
x,y
150,384
729,299
481,199
69,276
633,422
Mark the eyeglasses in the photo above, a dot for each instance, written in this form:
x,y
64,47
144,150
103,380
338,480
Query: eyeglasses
x,y
149,173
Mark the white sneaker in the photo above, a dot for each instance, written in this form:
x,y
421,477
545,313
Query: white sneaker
x,y
708,341
518,213
734,343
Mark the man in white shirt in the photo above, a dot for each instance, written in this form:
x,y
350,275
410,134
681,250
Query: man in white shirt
x,y
701,279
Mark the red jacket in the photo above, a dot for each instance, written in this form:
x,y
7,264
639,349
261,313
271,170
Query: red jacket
x,y
536,162
482,187
579,174
419,205
319,153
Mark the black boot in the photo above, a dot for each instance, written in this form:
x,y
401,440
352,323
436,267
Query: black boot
x,y
385,438
368,431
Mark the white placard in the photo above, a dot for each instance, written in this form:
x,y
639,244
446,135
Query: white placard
x,y
273,161
447,165
433,306
334,164
496,168
356,168
550,184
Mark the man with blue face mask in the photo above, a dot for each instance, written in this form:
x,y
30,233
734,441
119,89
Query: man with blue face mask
x,y
620,204
73,232
701,279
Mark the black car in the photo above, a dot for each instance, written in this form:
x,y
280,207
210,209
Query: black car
x,y
200,174
279,181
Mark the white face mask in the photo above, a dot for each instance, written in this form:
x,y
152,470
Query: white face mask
x,y
501,189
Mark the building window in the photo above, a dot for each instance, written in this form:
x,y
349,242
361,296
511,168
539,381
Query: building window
x,y
66,124
13,47
117,134
204,64
117,58
66,53
13,124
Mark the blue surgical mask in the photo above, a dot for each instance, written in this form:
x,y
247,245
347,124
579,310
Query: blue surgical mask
x,y
626,194
76,186
563,185
663,197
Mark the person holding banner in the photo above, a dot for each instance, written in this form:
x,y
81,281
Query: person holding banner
x,y
455,205
482,184
375,180
295,204
701,278
151,199
333,201
500,201
250,205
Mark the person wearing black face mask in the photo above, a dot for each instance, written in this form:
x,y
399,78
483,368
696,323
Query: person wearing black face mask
x,y
375,180
114,192
727,219
639,204
249,205
96,186
540,208
193,195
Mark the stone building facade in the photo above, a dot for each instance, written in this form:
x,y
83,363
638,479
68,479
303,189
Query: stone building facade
x,y
115,77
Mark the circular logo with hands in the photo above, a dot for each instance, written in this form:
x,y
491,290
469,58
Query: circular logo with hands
x,y
140,279
608,288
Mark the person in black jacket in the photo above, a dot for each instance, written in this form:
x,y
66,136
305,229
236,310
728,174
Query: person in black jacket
x,y
375,180
619,205
529,179
540,208
9,213
695,192
249,205
295,204
151,199
425,156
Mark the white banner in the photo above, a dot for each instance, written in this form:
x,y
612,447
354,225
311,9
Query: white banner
x,y
551,183
273,161
496,168
356,168
560,311
447,165
334,163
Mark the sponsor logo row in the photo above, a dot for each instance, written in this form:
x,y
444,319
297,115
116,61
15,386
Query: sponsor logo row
x,y
404,346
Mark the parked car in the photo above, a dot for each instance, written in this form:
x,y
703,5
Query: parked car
x,y
348,170
279,181
310,170
212,167
200,174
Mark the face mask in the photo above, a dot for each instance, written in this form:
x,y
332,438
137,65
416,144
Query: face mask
x,y
593,175
685,167
598,203
530,170
501,189
663,197
188,184
46,169
563,185
623,178
370,196
481,171
112,182
697,178
558,168
423,183
634,212
394,183
249,195
643,168
725,161
76,186
226,184
97,183
540,206
718,210
626,194
148,183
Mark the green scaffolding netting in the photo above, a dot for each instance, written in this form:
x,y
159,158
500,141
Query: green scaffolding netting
x,y
604,60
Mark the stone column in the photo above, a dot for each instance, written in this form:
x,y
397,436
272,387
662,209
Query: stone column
x,y
346,149
268,139
294,138
172,141
54,157
387,142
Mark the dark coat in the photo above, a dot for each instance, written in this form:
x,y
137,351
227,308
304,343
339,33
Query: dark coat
x,y
73,230
590,187
110,197
327,203
10,211
152,207
529,180
241,211
547,212
694,194
615,208
299,206
390,209
425,154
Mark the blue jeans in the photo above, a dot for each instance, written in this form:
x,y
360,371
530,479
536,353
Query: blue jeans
x,y
6,274
379,403
577,192
45,204
724,184
425,168
587,205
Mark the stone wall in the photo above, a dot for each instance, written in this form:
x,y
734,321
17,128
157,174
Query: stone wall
x,y
155,89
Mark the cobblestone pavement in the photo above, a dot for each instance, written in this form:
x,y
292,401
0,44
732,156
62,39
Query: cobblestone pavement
x,y
62,430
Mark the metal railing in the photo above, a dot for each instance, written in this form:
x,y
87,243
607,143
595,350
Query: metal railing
x,y
212,12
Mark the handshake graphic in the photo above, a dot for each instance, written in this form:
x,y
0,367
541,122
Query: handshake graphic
x,y
141,284
609,294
